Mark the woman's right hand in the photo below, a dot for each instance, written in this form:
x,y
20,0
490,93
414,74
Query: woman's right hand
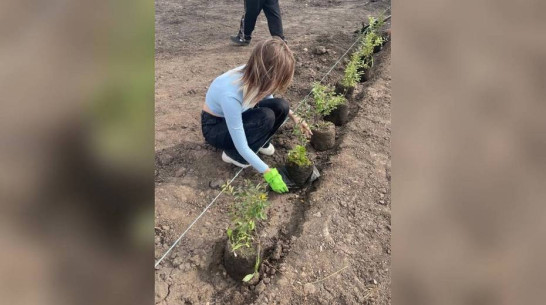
x,y
274,179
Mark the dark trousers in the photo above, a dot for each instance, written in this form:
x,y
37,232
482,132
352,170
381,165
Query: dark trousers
x,y
272,12
260,124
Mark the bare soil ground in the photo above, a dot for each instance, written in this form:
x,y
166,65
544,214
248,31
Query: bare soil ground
x,y
341,223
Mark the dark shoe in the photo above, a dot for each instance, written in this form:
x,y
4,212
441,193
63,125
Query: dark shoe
x,y
240,41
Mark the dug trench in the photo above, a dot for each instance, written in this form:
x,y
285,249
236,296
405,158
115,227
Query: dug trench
x,y
278,237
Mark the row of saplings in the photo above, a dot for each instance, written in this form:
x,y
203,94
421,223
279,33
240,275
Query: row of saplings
x,y
243,253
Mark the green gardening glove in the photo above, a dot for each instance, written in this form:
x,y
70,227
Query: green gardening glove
x,y
275,181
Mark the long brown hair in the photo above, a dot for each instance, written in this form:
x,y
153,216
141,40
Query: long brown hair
x,y
270,69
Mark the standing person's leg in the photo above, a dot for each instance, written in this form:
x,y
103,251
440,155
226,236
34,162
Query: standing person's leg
x,y
248,22
272,12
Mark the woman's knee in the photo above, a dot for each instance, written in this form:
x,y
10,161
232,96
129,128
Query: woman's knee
x,y
267,118
280,106
283,105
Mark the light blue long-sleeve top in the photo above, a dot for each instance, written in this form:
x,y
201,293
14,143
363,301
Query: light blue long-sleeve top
x,y
225,99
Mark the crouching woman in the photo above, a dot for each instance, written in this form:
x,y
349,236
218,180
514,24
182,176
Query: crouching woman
x,y
240,114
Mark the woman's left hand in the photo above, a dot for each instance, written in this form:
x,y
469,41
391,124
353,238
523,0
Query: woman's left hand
x,y
302,124
305,129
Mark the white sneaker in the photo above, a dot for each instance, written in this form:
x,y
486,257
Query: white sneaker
x,y
227,159
269,150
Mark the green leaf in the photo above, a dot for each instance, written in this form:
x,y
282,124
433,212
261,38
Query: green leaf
x,y
248,277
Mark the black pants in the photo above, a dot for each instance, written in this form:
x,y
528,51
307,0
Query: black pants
x,y
272,12
260,124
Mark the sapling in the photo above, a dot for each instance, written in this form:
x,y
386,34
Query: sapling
x,y
248,208
369,44
323,137
326,100
298,166
375,23
298,156
352,74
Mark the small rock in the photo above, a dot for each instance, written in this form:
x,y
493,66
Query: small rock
x,y
180,172
166,228
382,202
165,159
309,288
266,280
320,50
305,49
260,287
191,91
317,214
177,262
374,282
216,184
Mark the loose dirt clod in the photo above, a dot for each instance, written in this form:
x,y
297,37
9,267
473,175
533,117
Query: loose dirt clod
x,y
216,184
277,252
320,50
309,288
260,287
